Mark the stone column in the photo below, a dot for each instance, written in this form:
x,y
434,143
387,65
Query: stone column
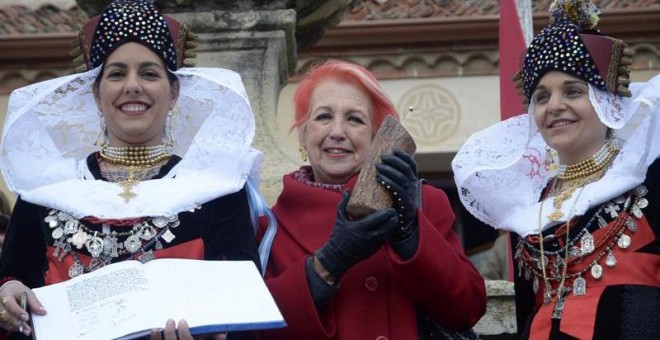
x,y
258,39
260,45
499,322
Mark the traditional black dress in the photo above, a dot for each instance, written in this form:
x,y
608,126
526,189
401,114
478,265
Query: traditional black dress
x,y
220,229
621,299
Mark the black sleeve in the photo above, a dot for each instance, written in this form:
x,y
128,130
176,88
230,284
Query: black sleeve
x,y
228,233
24,250
321,291
524,294
652,183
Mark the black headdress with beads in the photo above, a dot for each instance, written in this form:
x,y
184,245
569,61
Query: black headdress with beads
x,y
133,20
572,44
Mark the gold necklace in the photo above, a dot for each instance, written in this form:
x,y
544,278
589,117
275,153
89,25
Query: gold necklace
x,y
138,159
580,178
134,175
135,155
561,197
561,289
129,183
591,165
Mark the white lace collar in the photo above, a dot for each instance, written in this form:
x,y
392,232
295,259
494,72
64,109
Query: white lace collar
x,y
500,174
51,127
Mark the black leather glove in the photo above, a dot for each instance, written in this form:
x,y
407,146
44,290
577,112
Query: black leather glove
x,y
398,174
353,241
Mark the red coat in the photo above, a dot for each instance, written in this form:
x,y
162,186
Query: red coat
x,y
377,298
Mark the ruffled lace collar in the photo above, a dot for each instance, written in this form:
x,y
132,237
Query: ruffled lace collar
x,y
500,171
51,128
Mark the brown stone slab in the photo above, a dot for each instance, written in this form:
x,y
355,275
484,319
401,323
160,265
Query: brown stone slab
x,y
368,195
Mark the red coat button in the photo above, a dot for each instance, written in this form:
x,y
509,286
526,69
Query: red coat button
x,y
381,338
371,283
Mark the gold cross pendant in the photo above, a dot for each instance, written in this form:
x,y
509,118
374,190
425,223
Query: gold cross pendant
x,y
556,215
128,184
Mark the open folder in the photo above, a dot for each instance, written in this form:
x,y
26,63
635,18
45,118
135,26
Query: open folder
x,y
127,299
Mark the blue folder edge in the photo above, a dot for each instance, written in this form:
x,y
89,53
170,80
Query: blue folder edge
x,y
216,329
236,327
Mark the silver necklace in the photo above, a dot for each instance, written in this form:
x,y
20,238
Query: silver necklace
x,y
105,246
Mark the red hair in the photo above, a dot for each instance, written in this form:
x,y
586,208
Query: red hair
x,y
346,72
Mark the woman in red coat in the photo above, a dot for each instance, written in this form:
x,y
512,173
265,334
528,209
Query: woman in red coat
x,y
338,278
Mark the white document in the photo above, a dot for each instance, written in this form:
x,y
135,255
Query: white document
x,y
128,299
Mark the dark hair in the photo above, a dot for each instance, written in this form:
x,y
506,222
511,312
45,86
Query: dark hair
x,y
4,213
170,76
4,223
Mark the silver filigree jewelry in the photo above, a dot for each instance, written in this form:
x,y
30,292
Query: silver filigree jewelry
x,y
596,271
587,244
69,234
622,213
76,269
624,241
631,224
579,286
610,261
535,285
168,138
102,138
549,161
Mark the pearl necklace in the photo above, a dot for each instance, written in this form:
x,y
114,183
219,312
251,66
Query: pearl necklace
x,y
581,174
137,158
135,155
590,165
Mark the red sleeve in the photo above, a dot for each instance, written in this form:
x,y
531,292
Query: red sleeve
x,y
439,274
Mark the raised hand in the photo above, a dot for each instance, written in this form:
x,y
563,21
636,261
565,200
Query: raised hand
x,y
398,174
353,241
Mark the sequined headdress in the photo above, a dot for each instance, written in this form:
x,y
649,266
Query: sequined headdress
x,y
133,20
571,43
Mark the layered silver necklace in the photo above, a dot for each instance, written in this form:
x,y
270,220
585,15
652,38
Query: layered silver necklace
x,y
106,245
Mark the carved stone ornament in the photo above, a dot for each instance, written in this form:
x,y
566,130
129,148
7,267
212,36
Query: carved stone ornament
x,y
312,16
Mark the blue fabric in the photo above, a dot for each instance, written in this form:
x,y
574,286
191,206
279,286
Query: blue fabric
x,y
259,208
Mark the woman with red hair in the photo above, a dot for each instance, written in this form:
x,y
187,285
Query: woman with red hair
x,y
338,278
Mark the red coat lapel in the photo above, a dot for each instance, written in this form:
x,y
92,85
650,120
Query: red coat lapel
x,y
315,208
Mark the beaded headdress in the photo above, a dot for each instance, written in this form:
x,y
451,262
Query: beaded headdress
x,y
133,20
572,44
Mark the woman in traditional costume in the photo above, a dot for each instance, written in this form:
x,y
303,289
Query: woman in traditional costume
x,y
586,216
168,175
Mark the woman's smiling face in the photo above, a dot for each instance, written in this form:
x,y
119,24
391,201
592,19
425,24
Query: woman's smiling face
x,y
135,95
565,117
338,133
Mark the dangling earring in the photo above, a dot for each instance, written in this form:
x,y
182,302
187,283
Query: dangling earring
x,y
549,161
102,139
610,135
303,154
169,130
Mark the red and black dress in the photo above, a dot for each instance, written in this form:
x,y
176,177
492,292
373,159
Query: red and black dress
x,y
45,246
612,282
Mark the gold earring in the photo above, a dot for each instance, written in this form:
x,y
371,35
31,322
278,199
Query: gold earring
x,y
102,138
169,132
549,161
303,154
